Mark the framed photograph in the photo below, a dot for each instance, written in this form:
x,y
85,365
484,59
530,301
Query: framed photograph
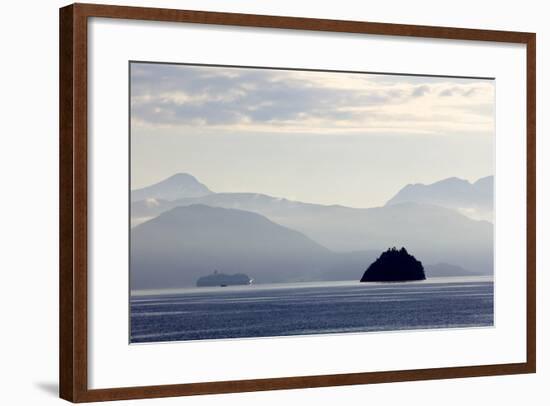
x,y
255,202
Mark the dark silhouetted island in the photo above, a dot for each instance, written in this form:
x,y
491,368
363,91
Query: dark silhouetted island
x,y
394,266
221,279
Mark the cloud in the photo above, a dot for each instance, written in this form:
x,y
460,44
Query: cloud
x,y
420,90
458,91
173,95
240,99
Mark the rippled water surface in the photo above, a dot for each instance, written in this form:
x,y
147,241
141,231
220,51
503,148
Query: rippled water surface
x,y
309,308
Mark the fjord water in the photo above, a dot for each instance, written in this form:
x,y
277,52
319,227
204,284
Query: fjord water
x,y
309,308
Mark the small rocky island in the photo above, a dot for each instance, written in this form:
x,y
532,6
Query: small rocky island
x,y
394,266
221,279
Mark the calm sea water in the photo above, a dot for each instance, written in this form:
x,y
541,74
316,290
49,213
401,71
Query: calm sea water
x,y
309,308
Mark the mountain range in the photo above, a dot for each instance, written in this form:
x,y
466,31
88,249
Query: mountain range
x,y
188,242
176,240
474,200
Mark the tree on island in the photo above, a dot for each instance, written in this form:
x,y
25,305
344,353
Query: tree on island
x,y
394,266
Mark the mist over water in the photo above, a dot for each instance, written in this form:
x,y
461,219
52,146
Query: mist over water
x,y
309,308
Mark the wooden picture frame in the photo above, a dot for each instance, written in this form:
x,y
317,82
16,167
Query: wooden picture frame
x,y
73,277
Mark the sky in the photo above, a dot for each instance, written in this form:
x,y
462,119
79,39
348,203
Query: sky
x,y
352,139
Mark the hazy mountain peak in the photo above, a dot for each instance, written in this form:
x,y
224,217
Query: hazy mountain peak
x,y
452,181
474,200
487,180
447,182
177,186
180,177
